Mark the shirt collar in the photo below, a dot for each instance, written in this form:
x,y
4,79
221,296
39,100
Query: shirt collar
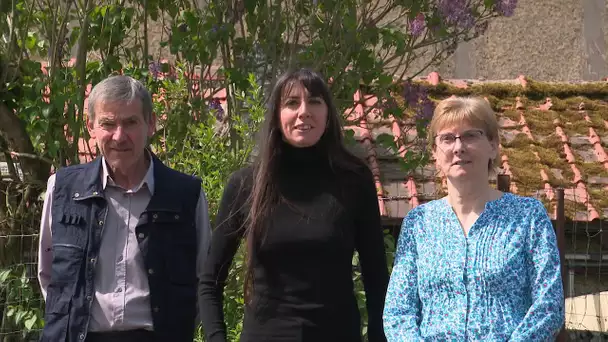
x,y
148,179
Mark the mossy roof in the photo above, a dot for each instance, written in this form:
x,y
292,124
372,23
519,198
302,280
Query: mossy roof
x,y
553,135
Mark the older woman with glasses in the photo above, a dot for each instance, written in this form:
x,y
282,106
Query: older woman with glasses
x,y
477,264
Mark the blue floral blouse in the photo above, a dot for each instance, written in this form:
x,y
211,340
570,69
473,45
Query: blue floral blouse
x,y
502,282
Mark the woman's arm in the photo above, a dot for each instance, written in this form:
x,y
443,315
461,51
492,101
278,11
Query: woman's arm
x,y
545,317
402,308
372,256
224,242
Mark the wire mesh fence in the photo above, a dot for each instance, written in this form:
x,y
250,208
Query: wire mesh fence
x,y
21,304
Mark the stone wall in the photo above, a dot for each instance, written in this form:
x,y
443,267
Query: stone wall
x,y
549,40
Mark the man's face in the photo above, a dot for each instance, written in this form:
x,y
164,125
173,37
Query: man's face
x,y
121,132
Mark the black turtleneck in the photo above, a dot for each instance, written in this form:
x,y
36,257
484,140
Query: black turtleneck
x,y
303,289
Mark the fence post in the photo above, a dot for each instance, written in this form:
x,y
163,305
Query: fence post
x,y
560,234
503,182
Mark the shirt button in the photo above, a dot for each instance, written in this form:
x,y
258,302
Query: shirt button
x,y
177,217
141,235
154,217
92,260
151,271
100,223
95,193
81,336
89,298
76,195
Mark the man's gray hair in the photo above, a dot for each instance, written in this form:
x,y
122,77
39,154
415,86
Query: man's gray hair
x,y
121,89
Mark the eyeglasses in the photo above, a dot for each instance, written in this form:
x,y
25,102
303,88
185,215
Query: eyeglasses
x,y
447,140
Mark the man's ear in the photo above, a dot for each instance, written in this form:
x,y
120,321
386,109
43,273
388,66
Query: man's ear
x,y
90,127
152,125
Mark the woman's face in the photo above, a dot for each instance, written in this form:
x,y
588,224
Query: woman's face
x,y
463,151
302,118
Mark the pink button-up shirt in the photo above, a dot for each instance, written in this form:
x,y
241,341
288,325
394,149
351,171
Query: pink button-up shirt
x,y
122,294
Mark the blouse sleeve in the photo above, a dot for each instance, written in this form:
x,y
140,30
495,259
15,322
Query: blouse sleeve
x,y
225,241
545,317
402,307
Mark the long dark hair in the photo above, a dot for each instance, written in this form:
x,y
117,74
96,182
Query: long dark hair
x,y
265,195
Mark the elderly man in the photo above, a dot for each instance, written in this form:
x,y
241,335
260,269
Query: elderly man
x,y
122,237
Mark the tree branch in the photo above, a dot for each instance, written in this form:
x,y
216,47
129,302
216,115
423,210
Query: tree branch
x,y
13,130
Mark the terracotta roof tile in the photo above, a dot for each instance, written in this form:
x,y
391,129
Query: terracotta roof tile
x,y
552,135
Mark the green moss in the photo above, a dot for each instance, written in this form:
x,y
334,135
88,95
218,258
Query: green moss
x,y
500,104
571,208
555,182
596,90
568,174
540,122
525,168
549,205
551,158
512,114
553,141
592,169
597,122
574,102
576,127
536,91
599,196
558,104
545,115
570,116
520,141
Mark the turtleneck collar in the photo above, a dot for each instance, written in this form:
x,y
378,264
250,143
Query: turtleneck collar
x,y
314,156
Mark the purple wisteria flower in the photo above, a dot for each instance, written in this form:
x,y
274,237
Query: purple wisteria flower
x,y
155,69
456,13
417,25
506,7
216,108
416,97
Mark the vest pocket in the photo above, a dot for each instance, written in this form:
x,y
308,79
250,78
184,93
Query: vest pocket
x,y
67,263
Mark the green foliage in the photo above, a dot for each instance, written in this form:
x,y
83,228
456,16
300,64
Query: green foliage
x,y
21,302
240,47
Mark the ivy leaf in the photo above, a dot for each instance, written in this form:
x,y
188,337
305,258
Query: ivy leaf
x,y
30,41
30,322
4,275
46,111
19,316
387,140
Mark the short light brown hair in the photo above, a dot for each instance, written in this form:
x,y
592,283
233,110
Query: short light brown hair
x,y
474,111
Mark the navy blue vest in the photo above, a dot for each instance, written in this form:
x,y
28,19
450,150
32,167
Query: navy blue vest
x,y
167,239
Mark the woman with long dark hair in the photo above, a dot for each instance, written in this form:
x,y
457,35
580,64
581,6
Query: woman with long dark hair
x,y
303,208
